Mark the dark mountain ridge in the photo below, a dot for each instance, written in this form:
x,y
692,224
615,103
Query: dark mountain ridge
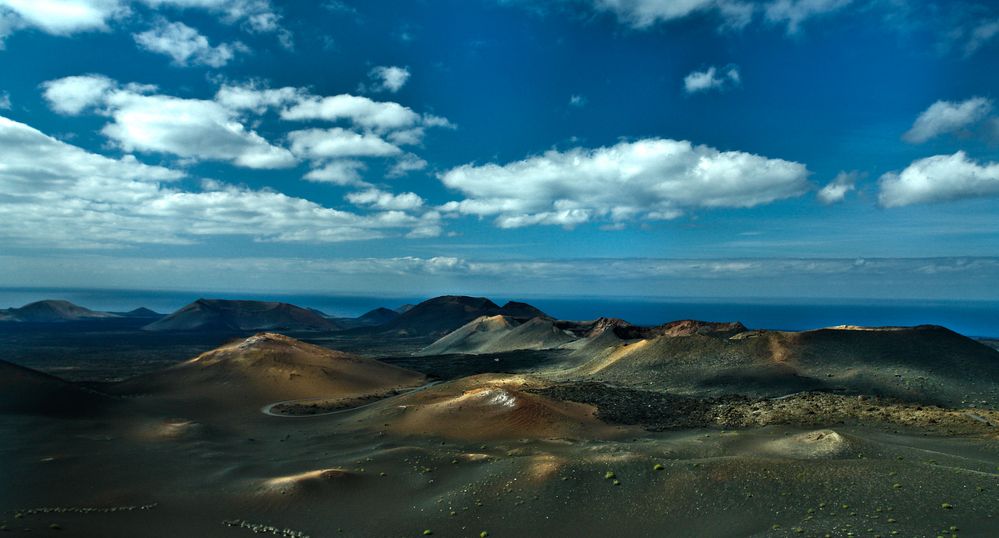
x,y
230,315
441,315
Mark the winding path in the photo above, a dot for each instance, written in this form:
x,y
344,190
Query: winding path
x,y
269,408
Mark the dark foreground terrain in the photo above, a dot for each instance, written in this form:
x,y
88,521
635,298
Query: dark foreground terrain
x,y
588,429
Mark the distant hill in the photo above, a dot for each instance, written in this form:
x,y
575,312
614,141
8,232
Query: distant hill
x,y
225,315
501,333
378,316
267,368
51,311
497,334
141,313
926,363
373,318
27,391
441,315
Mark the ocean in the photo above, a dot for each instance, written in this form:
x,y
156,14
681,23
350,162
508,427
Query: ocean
x,y
972,318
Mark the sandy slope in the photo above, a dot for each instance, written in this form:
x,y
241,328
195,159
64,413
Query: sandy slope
x,y
498,334
23,390
270,367
489,406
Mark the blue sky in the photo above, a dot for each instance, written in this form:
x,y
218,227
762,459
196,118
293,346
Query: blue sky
x,y
639,147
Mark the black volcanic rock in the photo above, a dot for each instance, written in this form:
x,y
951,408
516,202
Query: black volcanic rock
x,y
441,315
225,315
49,311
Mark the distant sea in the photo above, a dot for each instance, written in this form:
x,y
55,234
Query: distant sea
x,y
972,318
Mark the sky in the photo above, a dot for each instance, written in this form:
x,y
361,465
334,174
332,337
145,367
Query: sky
x,y
659,148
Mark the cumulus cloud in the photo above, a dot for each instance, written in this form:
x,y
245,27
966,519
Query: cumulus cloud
x,y
362,111
385,200
712,79
947,117
341,172
837,189
794,13
318,144
56,194
642,14
254,98
66,17
185,45
400,123
254,15
147,122
375,129
939,178
61,17
388,78
649,179
406,164
72,95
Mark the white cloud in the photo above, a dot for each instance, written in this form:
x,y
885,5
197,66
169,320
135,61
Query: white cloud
x,y
711,79
938,179
62,17
795,12
389,78
376,128
253,98
645,13
837,189
947,117
5,101
67,17
56,194
650,179
341,172
400,123
364,112
188,128
386,200
72,95
185,45
577,101
318,144
256,15
408,163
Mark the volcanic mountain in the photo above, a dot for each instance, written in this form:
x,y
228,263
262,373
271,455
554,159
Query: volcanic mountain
x,y
490,406
142,313
51,311
913,363
27,391
441,315
373,318
224,315
378,316
267,368
497,334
